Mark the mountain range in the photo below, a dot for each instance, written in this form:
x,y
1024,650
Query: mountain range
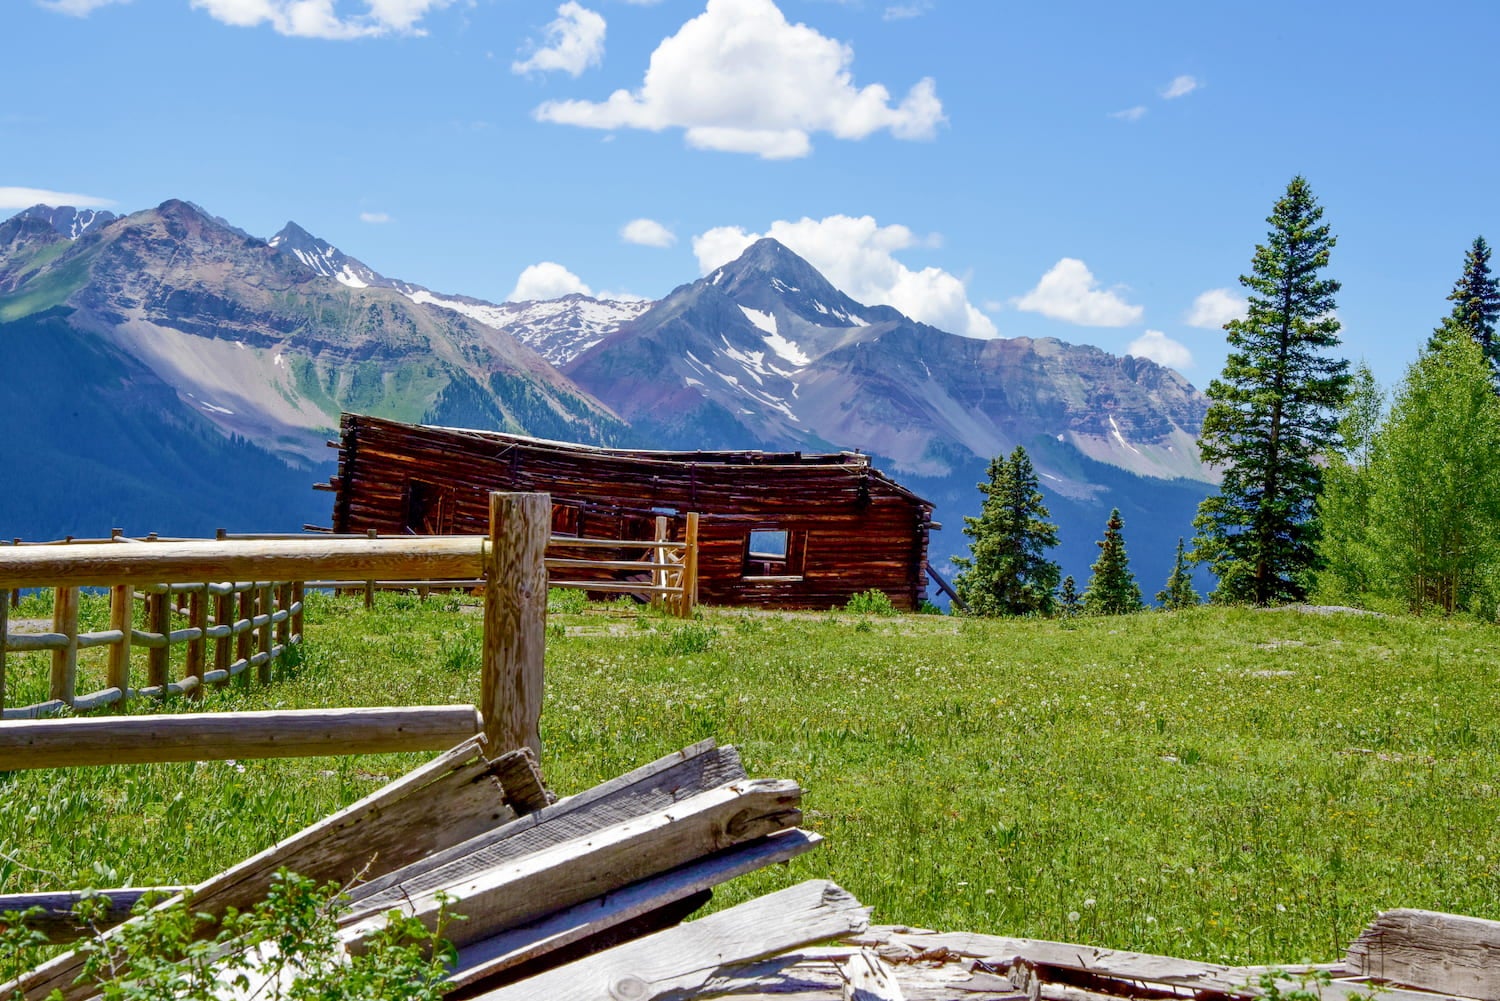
x,y
200,370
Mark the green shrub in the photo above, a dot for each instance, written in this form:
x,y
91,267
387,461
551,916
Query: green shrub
x,y
691,638
871,602
566,601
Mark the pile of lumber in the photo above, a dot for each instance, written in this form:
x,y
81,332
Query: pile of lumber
x,y
587,898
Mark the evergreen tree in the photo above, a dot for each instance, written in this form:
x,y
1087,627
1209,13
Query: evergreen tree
x,y
1068,597
1434,510
1344,505
1178,592
1476,306
1112,589
1273,414
1006,571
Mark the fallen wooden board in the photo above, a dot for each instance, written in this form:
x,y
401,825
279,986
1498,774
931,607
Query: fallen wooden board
x,y
446,801
1430,951
56,918
1114,966
682,961
867,978
511,948
652,787
537,884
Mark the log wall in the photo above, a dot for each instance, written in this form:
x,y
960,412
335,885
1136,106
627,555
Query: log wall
x,y
850,528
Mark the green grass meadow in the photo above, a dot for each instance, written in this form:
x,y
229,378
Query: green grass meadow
x,y
1224,784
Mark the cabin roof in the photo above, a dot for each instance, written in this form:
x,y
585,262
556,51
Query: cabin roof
x,y
650,459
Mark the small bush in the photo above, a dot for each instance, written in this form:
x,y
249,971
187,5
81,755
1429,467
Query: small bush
x,y
928,608
691,638
566,601
871,602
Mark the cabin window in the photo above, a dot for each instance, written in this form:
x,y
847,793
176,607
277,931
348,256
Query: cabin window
x,y
429,508
773,552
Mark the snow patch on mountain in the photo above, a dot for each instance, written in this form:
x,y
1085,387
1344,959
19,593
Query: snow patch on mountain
x,y
787,349
761,319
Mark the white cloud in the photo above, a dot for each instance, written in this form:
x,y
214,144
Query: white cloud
x,y
647,233
374,217
575,41
857,256
1134,114
1216,307
24,198
320,18
1160,348
546,280
739,78
76,8
1069,292
902,11
1181,86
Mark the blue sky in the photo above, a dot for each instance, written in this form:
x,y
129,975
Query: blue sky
x,y
1088,171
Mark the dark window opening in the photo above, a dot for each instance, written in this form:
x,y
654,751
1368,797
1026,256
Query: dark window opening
x,y
566,520
429,508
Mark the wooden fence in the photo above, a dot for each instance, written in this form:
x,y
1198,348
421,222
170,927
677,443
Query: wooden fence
x,y
510,560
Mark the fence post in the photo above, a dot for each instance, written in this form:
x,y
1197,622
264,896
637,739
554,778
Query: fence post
x,y
515,621
65,660
370,584
223,616
284,604
266,607
299,593
121,617
659,598
244,639
15,592
690,566
197,619
159,621
4,632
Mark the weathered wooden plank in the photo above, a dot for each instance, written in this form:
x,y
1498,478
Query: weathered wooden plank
x,y
680,961
867,978
1446,953
651,787
560,876
106,564
485,959
1108,965
65,658
442,803
56,918
515,621
119,740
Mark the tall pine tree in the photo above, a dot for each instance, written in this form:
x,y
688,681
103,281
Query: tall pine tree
x,y
1007,571
1476,306
1112,589
1273,414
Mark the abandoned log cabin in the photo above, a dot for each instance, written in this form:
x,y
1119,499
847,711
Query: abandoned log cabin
x,y
781,530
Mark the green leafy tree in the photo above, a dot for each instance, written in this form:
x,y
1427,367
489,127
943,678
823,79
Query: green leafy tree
x,y
1344,505
1273,416
1434,502
1112,589
1178,592
1007,571
1476,306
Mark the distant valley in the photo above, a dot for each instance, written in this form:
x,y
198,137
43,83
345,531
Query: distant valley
x,y
166,371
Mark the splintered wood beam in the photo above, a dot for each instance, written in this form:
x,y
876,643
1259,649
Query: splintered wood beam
x,y
690,957
124,740
651,787
440,804
1446,953
492,957
537,884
